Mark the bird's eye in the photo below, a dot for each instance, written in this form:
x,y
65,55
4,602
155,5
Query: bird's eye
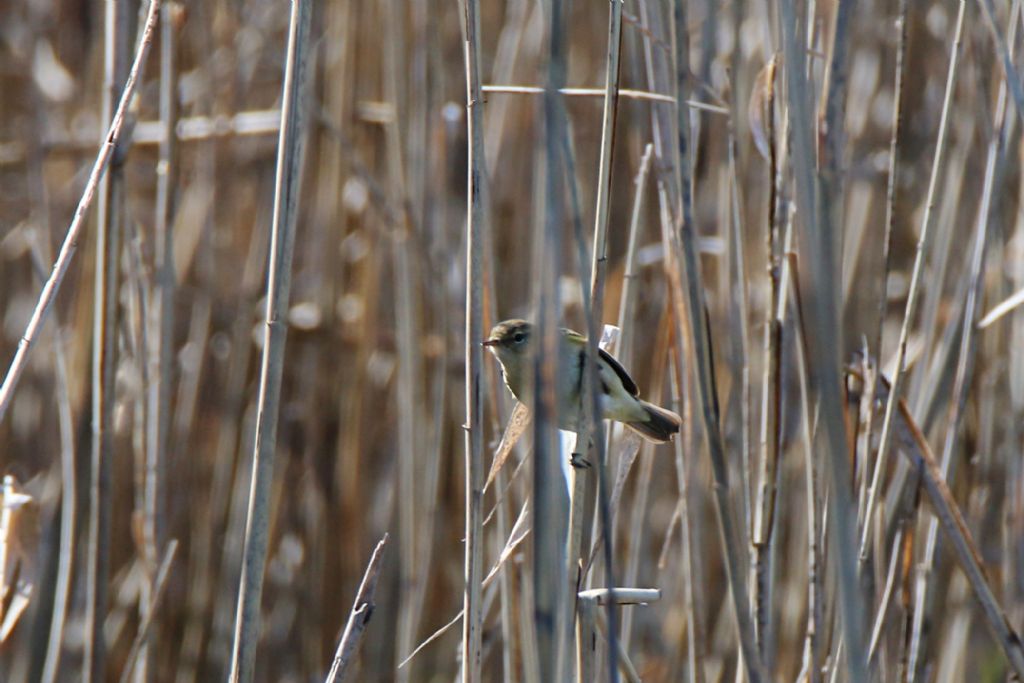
x,y
519,337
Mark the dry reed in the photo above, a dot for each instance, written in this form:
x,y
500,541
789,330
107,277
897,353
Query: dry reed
x,y
793,229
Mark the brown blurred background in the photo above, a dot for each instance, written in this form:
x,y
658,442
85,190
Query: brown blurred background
x,y
370,437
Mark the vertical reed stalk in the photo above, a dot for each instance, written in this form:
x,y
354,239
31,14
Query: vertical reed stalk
x,y
286,202
476,230
771,396
408,394
592,426
549,523
818,197
161,319
104,358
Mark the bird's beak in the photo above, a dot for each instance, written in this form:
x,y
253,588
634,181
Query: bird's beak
x,y
489,342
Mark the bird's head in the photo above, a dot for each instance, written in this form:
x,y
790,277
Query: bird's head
x,y
509,341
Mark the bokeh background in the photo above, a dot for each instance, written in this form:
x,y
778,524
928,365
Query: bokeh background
x,y
370,437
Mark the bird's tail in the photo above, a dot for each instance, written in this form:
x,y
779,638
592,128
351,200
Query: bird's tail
x,y
660,426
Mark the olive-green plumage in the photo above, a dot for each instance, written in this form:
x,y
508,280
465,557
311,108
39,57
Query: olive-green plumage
x,y
510,342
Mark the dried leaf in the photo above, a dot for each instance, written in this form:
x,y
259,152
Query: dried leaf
x,y
513,431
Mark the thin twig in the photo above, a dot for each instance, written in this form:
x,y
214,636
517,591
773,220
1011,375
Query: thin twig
x,y
67,512
70,244
519,532
155,597
1003,308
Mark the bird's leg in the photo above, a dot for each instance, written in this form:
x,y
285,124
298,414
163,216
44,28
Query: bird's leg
x,y
578,461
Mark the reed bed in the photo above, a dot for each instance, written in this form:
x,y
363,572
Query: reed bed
x,y
248,252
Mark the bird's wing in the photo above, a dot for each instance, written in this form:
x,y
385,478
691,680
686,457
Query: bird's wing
x,y
627,382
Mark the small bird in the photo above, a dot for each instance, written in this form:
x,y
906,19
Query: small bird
x,y
509,341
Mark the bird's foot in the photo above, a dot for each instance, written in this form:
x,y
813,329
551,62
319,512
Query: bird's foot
x,y
578,461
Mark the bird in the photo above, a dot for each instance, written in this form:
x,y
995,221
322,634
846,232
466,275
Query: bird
x,y
510,342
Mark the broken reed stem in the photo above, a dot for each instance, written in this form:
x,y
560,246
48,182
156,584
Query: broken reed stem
x,y
915,279
358,618
582,92
70,244
476,234
590,618
286,201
